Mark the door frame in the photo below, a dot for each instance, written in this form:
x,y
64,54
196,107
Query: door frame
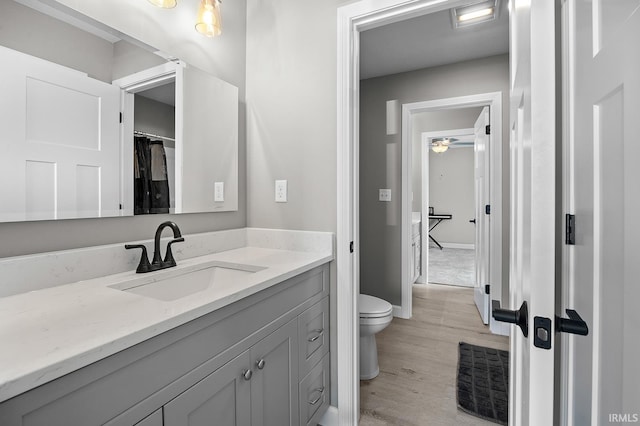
x,y
494,101
130,85
351,19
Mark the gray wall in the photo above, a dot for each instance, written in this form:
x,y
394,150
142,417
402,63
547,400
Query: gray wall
x,y
380,159
154,117
28,31
291,119
170,31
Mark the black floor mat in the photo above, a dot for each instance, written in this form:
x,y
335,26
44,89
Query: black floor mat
x,y
483,382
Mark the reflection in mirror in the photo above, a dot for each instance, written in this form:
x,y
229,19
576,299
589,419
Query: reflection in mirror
x,y
76,104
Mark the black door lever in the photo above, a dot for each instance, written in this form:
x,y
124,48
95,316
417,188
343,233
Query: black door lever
x,y
574,324
473,221
518,317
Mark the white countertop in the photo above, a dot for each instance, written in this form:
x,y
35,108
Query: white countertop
x,y
48,333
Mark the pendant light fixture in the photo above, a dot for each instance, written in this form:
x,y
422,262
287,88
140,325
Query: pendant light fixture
x,y
165,4
208,22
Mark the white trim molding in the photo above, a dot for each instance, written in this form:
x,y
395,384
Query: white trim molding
x,y
494,101
351,19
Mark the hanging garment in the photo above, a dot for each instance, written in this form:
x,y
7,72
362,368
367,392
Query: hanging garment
x,y
151,185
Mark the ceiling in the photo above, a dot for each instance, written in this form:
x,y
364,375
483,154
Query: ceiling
x,y
429,41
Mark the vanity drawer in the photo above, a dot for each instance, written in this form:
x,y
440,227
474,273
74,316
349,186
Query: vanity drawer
x,y
313,335
314,393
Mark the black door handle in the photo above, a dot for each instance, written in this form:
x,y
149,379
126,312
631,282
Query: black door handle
x,y
473,221
518,317
574,324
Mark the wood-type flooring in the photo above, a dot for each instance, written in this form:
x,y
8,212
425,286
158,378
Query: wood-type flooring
x,y
418,361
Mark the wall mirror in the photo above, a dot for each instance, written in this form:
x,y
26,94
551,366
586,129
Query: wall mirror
x,y
97,124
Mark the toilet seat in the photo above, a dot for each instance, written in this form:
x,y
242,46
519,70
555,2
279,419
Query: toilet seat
x,y
373,307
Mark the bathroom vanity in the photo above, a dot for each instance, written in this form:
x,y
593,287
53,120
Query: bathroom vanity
x,y
250,346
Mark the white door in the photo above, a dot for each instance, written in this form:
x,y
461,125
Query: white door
x,y
60,142
601,183
481,173
532,217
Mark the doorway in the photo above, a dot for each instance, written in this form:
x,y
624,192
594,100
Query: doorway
x,y
490,254
450,217
353,19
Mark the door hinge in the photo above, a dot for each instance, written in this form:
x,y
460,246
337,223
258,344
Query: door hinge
x,y
487,289
570,229
487,209
487,129
351,247
120,117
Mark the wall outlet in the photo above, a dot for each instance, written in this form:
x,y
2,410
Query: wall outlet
x,y
281,191
218,191
384,195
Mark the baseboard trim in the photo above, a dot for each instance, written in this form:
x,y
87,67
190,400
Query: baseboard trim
x,y
455,245
500,328
330,417
397,311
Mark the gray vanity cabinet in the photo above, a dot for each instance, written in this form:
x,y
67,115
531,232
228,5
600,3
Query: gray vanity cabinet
x,y
154,419
274,385
257,388
224,395
259,361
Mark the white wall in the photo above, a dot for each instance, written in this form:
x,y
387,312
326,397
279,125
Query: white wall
x,y
451,191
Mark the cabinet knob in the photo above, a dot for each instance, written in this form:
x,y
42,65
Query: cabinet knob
x,y
260,363
315,401
317,336
247,374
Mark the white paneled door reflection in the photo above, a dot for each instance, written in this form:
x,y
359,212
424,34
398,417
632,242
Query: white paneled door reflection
x,y
58,141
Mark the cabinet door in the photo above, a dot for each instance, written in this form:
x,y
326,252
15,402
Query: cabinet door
x,y
155,419
222,398
274,386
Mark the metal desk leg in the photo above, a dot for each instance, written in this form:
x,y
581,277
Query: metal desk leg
x,y
434,240
431,228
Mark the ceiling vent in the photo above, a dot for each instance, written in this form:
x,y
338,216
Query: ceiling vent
x,y
475,13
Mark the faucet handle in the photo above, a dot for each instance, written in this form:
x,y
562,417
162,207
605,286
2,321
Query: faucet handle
x,y
168,258
144,265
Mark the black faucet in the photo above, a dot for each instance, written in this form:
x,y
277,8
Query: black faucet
x,y
158,263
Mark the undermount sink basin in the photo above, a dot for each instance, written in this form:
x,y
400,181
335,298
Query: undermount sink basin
x,y
185,283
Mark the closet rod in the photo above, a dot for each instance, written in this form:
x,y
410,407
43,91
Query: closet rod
x,y
151,135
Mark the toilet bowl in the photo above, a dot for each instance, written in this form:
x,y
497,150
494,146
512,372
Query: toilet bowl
x,y
375,315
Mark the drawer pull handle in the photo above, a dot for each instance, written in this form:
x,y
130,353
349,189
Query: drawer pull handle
x,y
247,374
260,363
320,331
315,401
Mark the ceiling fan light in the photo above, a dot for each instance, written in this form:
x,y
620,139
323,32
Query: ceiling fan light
x,y
439,148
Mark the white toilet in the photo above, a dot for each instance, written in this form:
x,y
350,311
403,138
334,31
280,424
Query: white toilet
x,y
375,316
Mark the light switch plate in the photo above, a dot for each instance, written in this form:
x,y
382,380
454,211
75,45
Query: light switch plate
x,y
218,191
281,191
384,195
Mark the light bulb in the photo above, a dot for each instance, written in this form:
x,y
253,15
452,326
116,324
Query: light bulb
x,y
208,21
165,4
